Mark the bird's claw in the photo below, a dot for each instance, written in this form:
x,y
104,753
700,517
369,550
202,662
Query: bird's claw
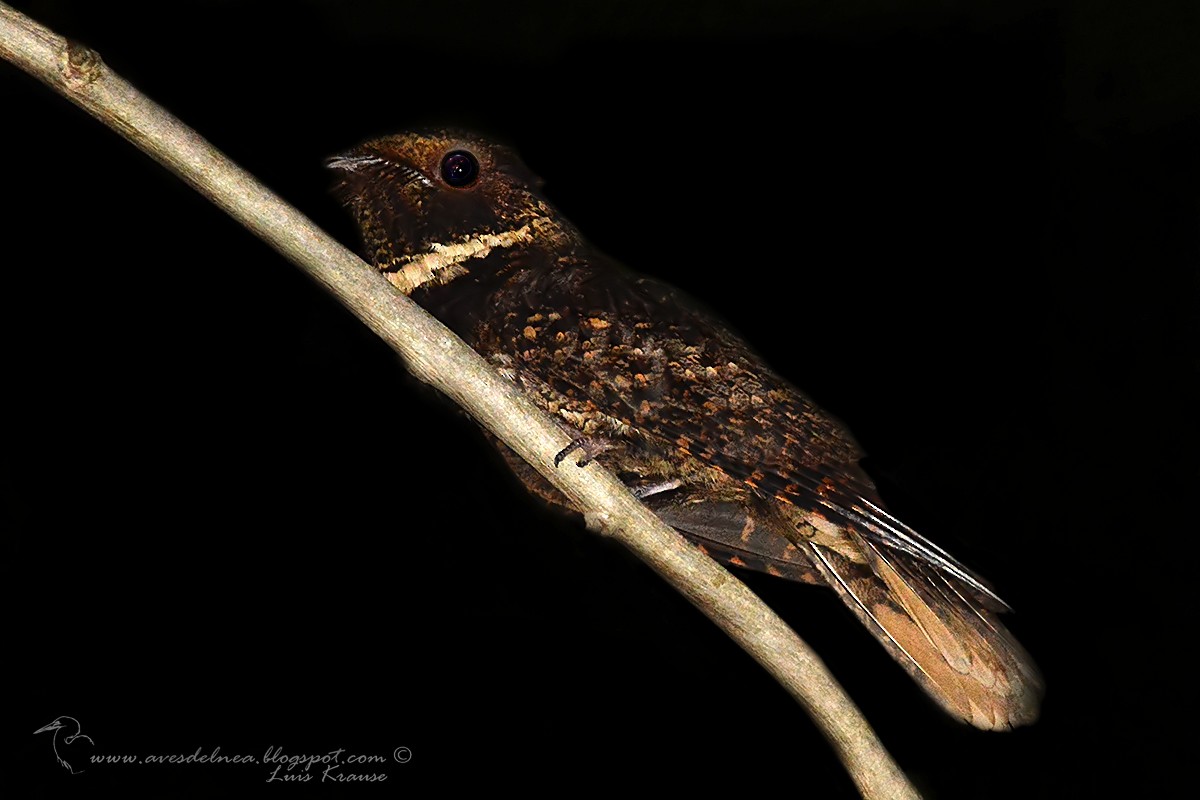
x,y
568,450
591,447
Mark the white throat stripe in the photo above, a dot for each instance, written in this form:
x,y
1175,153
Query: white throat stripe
x,y
421,269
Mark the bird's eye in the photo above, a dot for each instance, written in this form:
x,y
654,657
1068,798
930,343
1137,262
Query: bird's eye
x,y
459,168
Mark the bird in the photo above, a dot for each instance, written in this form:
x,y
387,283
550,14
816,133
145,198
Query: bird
x,y
74,746
660,391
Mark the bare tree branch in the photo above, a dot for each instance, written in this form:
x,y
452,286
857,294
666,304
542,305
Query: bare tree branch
x,y
436,356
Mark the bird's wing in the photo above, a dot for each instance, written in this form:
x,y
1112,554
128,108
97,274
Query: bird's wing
x,y
732,534
630,360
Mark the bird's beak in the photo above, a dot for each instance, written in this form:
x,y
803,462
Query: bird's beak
x,y
351,161
53,726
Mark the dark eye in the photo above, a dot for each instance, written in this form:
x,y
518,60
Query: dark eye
x,y
459,168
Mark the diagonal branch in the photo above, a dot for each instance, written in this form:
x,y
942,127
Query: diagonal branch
x,y
436,356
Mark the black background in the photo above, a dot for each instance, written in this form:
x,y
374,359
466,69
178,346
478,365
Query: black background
x,y
232,519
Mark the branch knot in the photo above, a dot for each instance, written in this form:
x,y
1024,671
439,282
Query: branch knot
x,y
81,65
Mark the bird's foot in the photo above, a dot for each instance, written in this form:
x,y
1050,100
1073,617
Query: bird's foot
x,y
591,446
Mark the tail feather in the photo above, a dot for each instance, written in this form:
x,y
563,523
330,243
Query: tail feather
x,y
946,639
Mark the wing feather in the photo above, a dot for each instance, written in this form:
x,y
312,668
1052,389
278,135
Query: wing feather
x,y
766,479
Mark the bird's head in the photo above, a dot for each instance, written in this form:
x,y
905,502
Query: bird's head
x,y
61,722
432,205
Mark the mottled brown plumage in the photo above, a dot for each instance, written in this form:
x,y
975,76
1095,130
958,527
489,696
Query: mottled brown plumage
x,y
711,438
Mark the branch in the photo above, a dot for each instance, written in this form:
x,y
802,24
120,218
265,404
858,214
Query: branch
x,y
436,356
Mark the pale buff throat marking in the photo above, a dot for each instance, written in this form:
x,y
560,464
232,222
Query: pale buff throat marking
x,y
437,265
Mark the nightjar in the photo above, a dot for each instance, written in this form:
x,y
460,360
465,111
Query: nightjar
x,y
714,441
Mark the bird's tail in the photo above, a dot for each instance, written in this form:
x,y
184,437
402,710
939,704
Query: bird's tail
x,y
939,624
